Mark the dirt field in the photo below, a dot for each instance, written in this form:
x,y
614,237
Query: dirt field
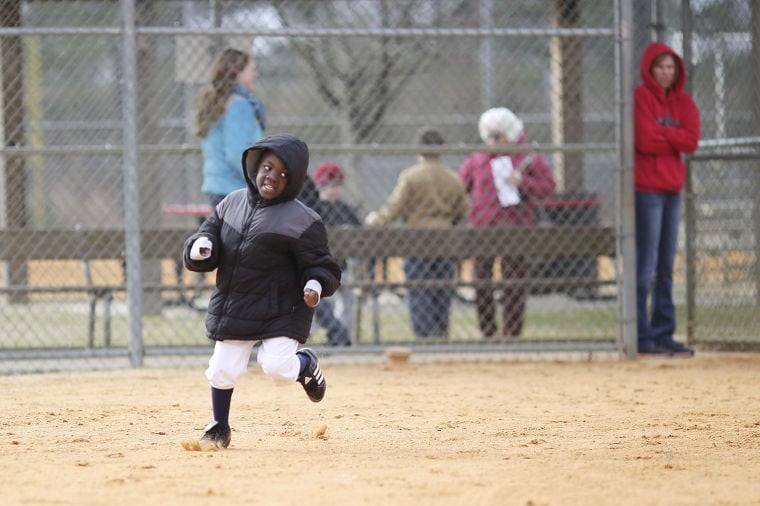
x,y
525,433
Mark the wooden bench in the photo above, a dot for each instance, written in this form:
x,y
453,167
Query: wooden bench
x,y
20,245
540,242
537,243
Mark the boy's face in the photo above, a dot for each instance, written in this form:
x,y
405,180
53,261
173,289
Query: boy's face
x,y
272,176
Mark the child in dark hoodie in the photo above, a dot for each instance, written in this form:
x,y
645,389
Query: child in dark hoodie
x,y
273,265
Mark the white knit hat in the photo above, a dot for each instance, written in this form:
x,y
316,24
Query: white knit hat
x,y
500,119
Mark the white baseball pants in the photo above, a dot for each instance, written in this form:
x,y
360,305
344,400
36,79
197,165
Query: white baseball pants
x,y
276,356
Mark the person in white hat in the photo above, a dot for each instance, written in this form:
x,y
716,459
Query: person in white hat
x,y
504,189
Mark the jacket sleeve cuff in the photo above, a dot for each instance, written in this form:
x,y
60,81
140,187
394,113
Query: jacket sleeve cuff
x,y
315,285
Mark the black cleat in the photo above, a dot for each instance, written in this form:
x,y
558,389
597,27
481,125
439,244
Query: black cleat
x,y
312,379
216,436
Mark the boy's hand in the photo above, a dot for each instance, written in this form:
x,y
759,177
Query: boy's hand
x,y
310,297
201,249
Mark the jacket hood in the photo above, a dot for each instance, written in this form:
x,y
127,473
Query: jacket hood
x,y
651,52
291,150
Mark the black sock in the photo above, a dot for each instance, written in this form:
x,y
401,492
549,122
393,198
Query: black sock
x,y
305,361
220,402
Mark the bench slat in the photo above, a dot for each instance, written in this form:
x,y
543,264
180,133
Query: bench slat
x,y
538,242
57,244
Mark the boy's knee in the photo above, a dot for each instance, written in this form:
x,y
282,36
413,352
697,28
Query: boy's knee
x,y
282,369
222,378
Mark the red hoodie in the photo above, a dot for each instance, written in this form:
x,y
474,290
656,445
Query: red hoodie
x,y
665,126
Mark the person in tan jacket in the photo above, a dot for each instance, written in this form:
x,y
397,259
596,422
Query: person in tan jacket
x,y
427,194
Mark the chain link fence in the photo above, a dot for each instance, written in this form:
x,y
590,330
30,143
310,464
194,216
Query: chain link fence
x,y
102,171
720,219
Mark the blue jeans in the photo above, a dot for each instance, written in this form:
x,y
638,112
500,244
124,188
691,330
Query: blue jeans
x,y
429,306
337,333
657,219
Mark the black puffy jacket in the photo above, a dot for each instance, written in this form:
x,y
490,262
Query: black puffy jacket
x,y
264,252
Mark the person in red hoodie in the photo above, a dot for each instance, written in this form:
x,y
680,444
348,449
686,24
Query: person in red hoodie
x,y
666,125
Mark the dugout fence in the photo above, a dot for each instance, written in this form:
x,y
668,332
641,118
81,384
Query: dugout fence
x,y
102,172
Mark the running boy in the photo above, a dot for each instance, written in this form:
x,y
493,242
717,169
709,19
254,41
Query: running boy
x,y
273,265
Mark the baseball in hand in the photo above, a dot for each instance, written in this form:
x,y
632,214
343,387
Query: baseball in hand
x,y
310,297
201,249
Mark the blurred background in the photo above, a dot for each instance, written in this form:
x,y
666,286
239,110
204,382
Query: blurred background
x,y
101,169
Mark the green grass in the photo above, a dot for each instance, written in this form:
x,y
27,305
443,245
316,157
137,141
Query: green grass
x,y
581,322
64,324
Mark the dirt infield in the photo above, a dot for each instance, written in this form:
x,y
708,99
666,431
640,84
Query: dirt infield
x,y
526,433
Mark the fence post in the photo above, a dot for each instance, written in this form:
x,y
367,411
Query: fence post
x,y
15,183
626,207
690,220
131,182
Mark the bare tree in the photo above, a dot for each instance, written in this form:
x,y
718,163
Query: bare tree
x,y
362,77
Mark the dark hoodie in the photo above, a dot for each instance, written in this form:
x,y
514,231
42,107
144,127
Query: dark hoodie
x,y
264,252
665,126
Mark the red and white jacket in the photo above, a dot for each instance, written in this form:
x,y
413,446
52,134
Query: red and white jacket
x,y
485,209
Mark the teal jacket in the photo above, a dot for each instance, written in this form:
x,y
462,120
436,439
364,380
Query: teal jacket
x,y
241,126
